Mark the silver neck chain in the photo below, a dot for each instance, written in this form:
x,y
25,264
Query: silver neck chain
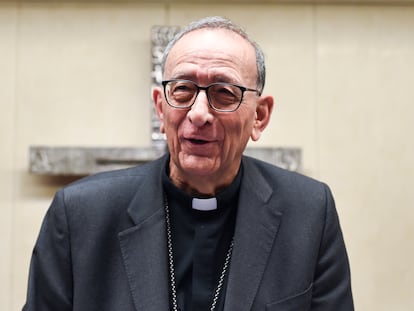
x,y
172,270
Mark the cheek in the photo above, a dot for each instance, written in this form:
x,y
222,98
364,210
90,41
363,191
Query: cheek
x,y
237,132
172,122
244,123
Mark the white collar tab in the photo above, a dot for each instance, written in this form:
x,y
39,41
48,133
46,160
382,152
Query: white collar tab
x,y
209,204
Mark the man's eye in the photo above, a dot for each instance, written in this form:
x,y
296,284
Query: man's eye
x,y
183,88
225,93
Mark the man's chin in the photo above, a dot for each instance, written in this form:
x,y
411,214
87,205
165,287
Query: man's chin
x,y
199,165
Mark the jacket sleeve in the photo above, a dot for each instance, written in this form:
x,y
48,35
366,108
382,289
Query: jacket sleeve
x,y
332,283
50,277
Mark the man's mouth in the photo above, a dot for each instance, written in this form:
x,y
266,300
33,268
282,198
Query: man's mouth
x,y
198,141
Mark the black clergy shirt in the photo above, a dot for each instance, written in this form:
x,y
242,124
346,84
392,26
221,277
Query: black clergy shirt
x,y
201,240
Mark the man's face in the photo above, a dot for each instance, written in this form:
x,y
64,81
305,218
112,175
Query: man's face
x,y
205,145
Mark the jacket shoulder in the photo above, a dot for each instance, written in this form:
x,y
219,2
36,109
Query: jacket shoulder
x,y
115,177
290,188
280,175
112,190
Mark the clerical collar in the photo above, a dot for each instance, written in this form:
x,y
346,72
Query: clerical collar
x,y
222,199
209,204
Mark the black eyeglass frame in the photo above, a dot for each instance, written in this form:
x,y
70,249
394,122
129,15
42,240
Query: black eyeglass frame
x,y
243,89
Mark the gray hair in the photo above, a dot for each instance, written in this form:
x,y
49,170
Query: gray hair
x,y
217,22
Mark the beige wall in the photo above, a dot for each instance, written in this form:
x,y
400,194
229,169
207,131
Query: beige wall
x,y
75,74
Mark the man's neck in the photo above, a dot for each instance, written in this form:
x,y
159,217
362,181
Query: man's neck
x,y
201,186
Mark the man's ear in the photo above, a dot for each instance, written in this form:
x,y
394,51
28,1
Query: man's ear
x,y
157,98
264,110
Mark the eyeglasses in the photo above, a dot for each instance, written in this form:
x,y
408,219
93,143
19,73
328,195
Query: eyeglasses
x,y
223,97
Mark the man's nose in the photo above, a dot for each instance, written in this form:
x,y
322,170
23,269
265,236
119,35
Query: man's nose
x,y
200,112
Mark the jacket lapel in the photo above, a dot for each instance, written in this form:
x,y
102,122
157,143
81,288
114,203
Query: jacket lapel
x,y
256,228
143,247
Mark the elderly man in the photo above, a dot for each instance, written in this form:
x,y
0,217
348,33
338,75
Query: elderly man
x,y
204,227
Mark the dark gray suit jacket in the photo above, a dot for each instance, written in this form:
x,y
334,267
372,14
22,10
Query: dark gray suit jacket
x,y
102,245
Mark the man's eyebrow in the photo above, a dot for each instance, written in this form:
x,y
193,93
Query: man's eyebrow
x,y
183,76
223,78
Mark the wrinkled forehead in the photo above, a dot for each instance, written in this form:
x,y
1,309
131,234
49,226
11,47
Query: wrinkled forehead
x,y
212,46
